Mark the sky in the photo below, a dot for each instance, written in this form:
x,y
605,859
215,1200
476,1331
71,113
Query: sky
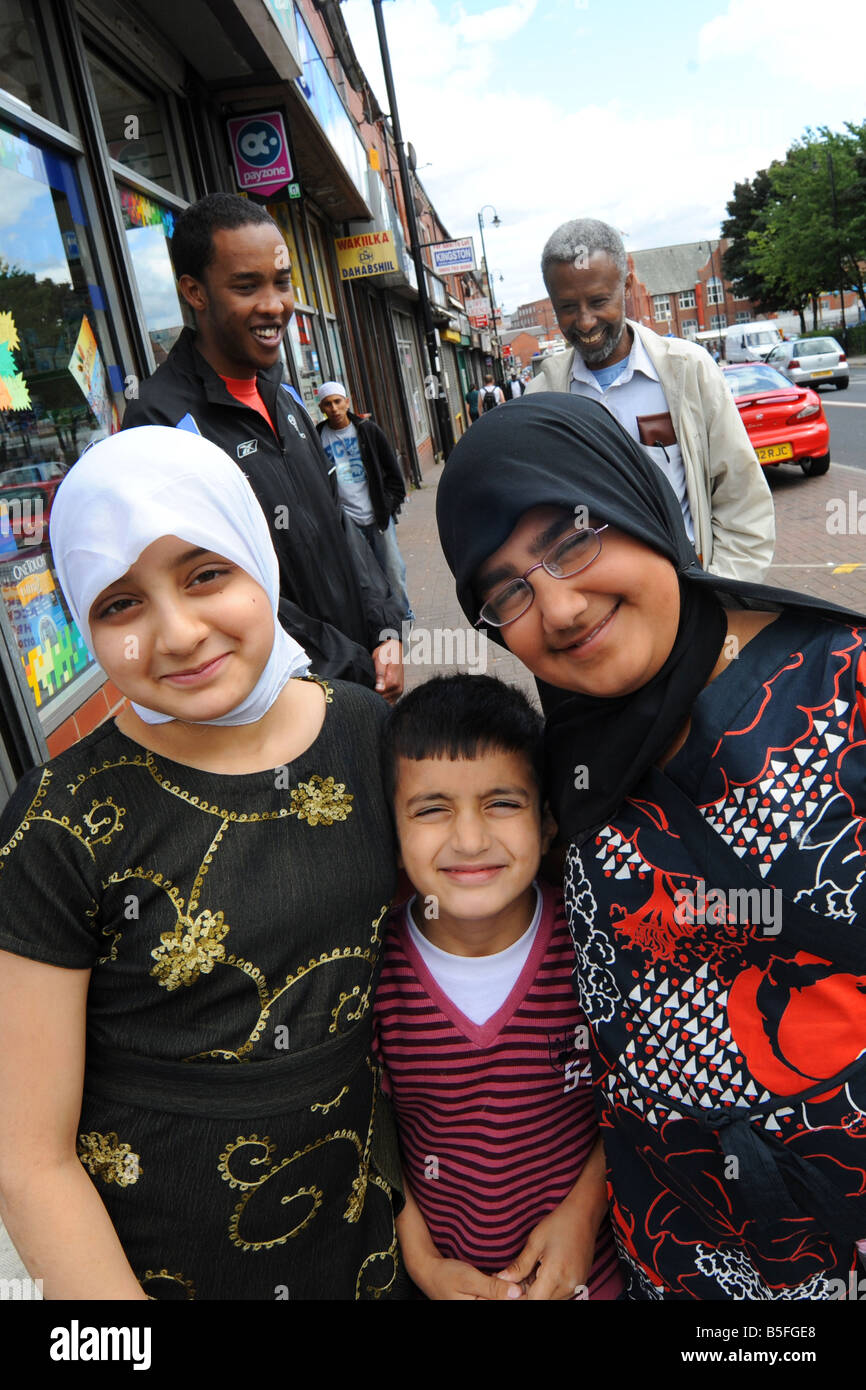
x,y
643,115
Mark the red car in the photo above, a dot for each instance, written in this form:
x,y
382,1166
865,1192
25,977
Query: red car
x,y
785,422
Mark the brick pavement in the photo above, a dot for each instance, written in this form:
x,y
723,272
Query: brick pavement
x,y
807,558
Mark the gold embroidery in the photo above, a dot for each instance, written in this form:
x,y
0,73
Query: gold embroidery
x,y
319,680
321,800
105,1157
331,1104
203,868
250,1186
151,1275
390,1254
103,820
192,949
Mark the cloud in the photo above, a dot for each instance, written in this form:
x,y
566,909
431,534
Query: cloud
x,y
494,25
154,277
661,170
782,35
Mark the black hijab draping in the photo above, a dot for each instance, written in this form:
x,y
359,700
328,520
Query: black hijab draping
x,y
561,450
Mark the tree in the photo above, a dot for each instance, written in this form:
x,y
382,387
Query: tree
x,y
799,227
746,211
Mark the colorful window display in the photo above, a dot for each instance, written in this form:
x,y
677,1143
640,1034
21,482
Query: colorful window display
x,y
149,229
57,394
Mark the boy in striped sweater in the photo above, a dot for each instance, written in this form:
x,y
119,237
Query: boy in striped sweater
x,y
482,1044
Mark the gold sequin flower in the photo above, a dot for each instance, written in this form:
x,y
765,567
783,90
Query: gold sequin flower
x,y
192,949
105,1157
321,801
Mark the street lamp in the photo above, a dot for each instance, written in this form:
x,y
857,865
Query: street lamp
x,y
495,223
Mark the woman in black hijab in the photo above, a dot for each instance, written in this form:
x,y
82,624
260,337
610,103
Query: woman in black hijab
x,y
707,764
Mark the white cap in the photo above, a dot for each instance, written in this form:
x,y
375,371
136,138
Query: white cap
x,y
330,388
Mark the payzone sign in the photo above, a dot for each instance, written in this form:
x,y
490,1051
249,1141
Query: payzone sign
x,y
260,150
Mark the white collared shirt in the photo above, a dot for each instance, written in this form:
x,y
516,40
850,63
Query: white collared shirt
x,y
637,392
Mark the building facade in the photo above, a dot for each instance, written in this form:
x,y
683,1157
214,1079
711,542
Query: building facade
x,y
682,290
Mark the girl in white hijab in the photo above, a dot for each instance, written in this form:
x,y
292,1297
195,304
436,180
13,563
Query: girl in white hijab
x,y
197,884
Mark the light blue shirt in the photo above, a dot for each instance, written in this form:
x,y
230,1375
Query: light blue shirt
x,y
631,389
344,451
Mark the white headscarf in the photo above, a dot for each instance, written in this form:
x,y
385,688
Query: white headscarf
x,y
141,484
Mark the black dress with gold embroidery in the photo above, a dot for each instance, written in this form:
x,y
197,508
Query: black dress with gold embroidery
x,y
233,927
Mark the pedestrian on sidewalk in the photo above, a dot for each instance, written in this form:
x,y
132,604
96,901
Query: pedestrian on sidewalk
x,y
706,757
224,381
665,392
490,395
472,402
219,859
369,480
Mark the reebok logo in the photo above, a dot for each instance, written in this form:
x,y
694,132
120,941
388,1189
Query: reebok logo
x,y
249,446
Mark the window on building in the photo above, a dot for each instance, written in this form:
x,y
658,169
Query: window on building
x,y
23,74
718,321
742,316
715,291
661,307
410,370
149,228
136,124
689,327
307,363
57,382
687,299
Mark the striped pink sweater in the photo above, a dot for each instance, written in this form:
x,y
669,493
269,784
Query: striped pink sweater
x,y
496,1120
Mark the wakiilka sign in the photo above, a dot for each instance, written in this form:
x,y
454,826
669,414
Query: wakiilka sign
x,y
370,253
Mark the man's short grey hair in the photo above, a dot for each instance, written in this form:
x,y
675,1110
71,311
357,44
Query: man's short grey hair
x,y
574,242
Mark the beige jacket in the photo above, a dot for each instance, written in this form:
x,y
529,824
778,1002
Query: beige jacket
x,y
731,504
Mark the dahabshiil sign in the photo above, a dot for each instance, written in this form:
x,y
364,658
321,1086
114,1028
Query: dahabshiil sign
x,y
369,253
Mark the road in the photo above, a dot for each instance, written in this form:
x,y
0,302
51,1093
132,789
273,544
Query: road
x,y
846,416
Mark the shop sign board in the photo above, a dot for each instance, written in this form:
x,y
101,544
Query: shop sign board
x,y
478,311
370,253
260,150
453,257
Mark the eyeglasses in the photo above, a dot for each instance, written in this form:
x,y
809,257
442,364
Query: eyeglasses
x,y
567,557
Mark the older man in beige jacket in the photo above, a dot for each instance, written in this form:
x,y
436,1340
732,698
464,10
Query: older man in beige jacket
x,y
668,394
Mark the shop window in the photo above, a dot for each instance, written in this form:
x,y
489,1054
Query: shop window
x,y
307,362
149,229
135,125
321,268
23,74
55,398
301,282
411,372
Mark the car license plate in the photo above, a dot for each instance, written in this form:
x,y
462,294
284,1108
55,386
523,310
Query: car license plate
x,y
829,372
773,452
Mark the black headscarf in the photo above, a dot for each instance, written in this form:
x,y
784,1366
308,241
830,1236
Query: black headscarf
x,y
555,449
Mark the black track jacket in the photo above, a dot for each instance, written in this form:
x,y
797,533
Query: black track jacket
x,y
384,475
323,603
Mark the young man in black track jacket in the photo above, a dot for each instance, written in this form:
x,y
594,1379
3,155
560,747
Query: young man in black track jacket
x,y
225,381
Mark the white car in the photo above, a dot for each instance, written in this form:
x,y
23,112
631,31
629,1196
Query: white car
x,y
811,362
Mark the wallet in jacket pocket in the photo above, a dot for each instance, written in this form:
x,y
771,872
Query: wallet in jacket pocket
x,y
656,429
